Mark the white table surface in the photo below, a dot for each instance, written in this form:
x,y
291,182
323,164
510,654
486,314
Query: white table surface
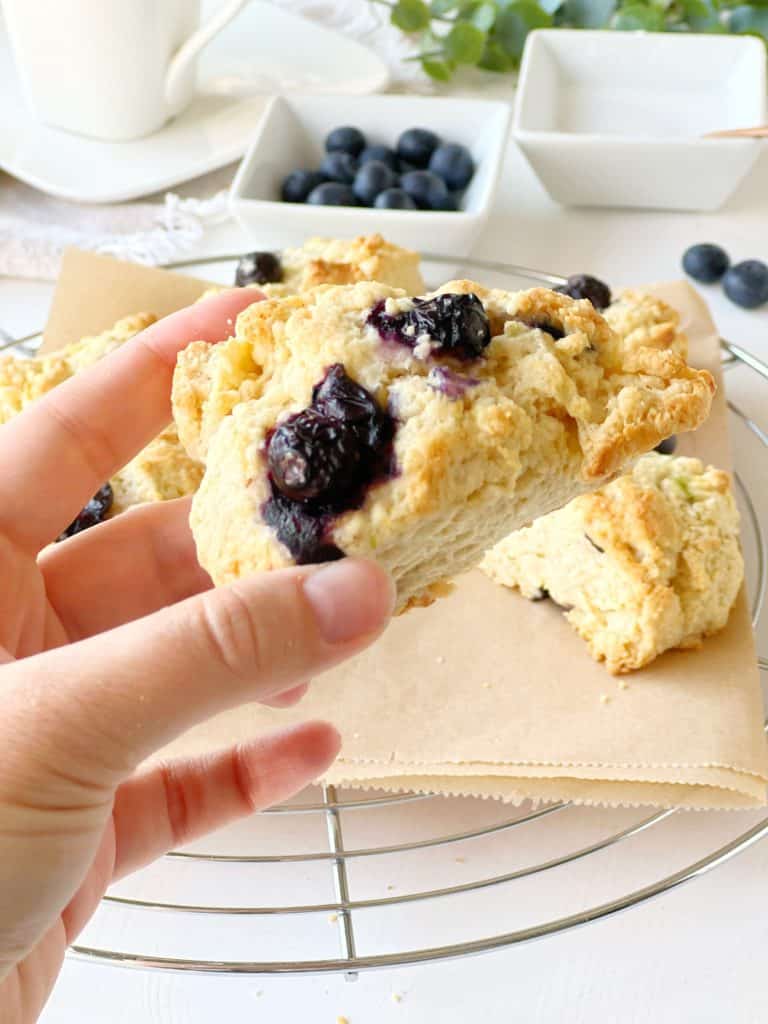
x,y
697,954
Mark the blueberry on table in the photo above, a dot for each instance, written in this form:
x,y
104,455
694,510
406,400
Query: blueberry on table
x,y
345,139
332,193
373,178
338,166
705,262
746,284
584,286
258,268
425,189
94,512
667,446
417,146
394,199
381,153
298,184
454,164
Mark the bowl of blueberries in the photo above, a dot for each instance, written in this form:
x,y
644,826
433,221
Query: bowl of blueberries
x,y
422,171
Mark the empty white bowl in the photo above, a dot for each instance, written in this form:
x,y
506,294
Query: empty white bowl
x,y
616,118
291,135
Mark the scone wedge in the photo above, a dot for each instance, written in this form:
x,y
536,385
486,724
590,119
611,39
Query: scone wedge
x,y
359,420
647,563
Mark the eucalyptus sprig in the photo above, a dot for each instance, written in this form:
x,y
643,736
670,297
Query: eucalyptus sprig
x,y
491,35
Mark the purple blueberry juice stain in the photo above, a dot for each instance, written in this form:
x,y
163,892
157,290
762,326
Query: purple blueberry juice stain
x,y
452,385
456,325
322,461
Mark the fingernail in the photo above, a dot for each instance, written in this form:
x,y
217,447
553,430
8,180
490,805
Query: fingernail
x,y
350,599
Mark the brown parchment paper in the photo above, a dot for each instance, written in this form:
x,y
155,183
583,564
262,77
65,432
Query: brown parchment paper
x,y
488,694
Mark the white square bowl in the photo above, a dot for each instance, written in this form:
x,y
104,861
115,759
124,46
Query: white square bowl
x,y
291,135
616,118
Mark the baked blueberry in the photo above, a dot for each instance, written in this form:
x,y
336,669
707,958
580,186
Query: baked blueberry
x,y
258,268
705,262
95,511
332,193
394,199
454,164
373,178
345,139
455,325
382,153
584,286
425,189
416,145
667,446
298,184
746,284
339,166
322,461
542,325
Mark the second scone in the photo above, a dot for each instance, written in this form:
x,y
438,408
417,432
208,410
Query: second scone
x,y
418,431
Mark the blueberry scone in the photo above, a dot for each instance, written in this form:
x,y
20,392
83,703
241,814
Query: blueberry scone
x,y
330,261
417,431
647,563
161,471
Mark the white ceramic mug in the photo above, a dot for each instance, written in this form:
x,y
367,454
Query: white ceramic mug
x,y
110,69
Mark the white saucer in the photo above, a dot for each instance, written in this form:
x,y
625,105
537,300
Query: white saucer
x,y
264,50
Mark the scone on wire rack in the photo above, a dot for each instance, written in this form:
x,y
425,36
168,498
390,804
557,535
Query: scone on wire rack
x,y
647,563
416,431
329,261
159,472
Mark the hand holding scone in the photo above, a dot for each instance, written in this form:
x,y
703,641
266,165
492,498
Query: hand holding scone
x,y
113,642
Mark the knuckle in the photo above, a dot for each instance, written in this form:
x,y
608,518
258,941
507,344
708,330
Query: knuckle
x,y
177,803
232,633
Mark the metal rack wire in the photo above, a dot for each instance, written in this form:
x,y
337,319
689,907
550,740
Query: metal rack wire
x,y
335,809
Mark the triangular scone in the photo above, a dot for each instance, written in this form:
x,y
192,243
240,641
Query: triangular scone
x,y
646,563
486,433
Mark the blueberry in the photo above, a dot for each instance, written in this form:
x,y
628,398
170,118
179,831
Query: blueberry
x,y
556,333
258,268
450,202
705,262
454,164
746,284
382,153
331,193
321,462
338,166
425,189
584,286
373,178
417,145
94,512
346,140
457,325
667,446
394,199
298,184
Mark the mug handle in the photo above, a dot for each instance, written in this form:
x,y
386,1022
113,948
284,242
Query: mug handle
x,y
190,48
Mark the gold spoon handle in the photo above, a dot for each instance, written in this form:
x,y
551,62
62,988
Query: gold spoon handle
x,y
759,131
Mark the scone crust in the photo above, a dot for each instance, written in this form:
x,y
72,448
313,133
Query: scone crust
x,y
647,563
542,421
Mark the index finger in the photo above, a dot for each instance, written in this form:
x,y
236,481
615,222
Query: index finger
x,y
59,452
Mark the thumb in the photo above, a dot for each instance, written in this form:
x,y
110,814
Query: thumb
x,y
93,710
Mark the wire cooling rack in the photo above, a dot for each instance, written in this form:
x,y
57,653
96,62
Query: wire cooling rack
x,y
340,896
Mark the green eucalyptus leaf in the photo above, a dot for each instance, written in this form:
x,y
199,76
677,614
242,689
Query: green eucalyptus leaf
x,y
440,70
443,7
495,59
515,21
637,17
550,6
484,16
411,15
699,16
748,19
464,43
587,13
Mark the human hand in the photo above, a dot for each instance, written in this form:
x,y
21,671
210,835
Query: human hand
x,y
113,642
